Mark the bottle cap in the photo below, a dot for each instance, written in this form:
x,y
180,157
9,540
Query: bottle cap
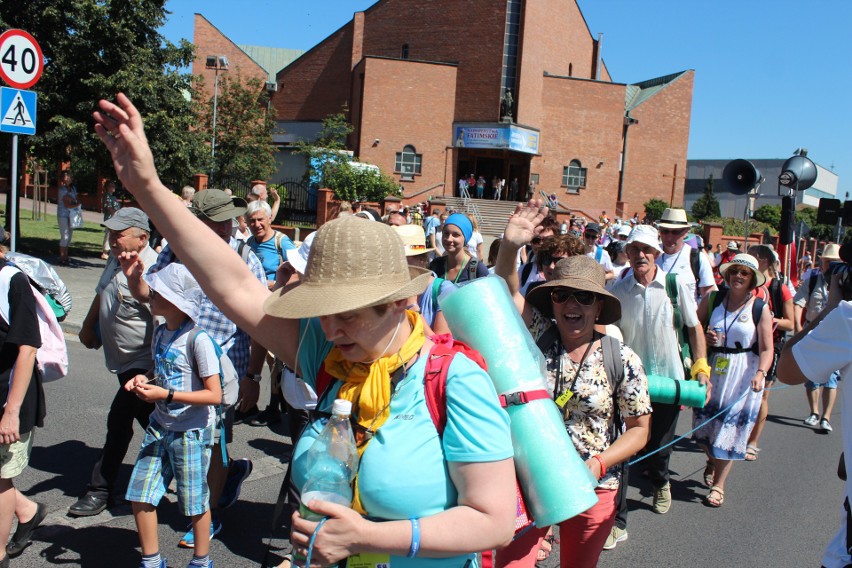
x,y
342,407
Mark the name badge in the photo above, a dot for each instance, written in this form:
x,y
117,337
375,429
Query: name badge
x,y
563,398
369,560
721,365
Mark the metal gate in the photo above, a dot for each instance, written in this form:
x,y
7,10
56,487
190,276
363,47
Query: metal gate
x,y
298,202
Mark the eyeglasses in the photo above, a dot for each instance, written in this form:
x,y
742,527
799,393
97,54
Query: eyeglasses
x,y
732,271
536,240
547,259
672,231
582,297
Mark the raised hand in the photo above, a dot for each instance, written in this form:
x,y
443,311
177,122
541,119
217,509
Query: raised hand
x,y
524,224
119,126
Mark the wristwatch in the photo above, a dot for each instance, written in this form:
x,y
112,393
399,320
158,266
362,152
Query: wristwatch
x,y
256,377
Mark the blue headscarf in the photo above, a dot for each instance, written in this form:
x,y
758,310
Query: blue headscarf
x,y
461,221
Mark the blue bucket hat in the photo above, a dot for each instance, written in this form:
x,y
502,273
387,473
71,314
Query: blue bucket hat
x,y
463,223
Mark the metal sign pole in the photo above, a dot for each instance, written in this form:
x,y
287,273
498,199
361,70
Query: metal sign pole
x,y
14,211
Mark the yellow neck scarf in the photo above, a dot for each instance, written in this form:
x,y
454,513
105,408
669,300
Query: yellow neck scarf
x,y
369,387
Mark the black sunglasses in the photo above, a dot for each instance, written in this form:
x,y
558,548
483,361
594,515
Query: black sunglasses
x,y
546,259
582,297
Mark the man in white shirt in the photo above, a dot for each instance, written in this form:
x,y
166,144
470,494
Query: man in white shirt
x,y
649,327
687,262
814,354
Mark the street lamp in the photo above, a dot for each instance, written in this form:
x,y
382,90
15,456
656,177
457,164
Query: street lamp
x,y
217,63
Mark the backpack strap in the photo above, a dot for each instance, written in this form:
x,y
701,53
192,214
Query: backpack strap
x,y
191,341
471,269
526,271
756,313
776,298
546,340
436,289
279,237
614,367
598,253
671,292
243,250
812,281
435,376
695,264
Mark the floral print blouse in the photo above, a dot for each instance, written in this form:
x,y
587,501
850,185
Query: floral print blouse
x,y
588,414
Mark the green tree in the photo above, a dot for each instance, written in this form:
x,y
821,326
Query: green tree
x,y
328,164
707,205
244,122
654,209
94,49
769,214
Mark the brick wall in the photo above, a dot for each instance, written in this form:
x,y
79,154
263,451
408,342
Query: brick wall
x,y
421,114
210,41
659,142
584,122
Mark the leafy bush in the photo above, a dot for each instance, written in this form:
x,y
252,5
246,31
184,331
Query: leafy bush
x,y
654,209
352,183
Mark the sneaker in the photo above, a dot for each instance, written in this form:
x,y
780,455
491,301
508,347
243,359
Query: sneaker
x,y
240,417
825,425
812,420
188,540
269,416
616,535
238,471
191,565
163,563
663,499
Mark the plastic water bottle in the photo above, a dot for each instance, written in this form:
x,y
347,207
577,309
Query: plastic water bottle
x,y
332,462
720,336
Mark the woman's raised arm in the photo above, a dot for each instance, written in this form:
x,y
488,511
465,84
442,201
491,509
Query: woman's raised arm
x,y
222,274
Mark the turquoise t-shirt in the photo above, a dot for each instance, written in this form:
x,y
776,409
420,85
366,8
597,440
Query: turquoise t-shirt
x,y
268,254
403,472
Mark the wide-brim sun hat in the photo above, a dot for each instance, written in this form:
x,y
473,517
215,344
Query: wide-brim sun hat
x,y
352,265
748,261
673,219
413,239
298,257
646,235
578,273
175,283
733,245
831,252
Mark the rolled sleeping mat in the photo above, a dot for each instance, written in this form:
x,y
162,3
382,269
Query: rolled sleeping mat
x,y
673,391
556,483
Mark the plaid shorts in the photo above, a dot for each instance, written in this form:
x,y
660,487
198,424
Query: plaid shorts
x,y
167,455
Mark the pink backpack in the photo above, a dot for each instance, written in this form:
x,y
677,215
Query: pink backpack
x,y
52,356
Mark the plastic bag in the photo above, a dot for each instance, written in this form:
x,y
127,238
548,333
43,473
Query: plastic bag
x,y
75,217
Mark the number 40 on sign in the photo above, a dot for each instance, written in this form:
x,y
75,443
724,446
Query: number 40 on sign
x,y
21,59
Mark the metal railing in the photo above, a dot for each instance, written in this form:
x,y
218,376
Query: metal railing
x,y
469,205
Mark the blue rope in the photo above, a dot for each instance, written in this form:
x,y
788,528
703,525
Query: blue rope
x,y
678,439
313,539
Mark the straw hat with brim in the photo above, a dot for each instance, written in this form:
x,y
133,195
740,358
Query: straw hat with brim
x,y
577,273
352,265
831,252
217,205
413,239
673,219
733,245
748,261
174,283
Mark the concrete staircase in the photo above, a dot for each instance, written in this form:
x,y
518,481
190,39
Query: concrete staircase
x,y
492,215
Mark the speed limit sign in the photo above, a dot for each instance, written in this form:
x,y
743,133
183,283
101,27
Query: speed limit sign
x,y
21,60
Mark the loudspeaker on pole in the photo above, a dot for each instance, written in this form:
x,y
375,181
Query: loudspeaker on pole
x,y
741,176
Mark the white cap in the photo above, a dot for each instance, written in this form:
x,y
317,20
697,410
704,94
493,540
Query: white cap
x,y
342,407
647,235
298,258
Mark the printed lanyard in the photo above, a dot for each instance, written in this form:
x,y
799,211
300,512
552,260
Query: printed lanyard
x,y
462,269
559,390
733,321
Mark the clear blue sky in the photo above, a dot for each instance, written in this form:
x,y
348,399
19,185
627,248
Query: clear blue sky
x,y
770,75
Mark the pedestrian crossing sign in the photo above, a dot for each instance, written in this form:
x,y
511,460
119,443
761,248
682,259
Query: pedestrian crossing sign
x,y
17,111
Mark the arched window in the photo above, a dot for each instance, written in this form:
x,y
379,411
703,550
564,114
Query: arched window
x,y
408,162
403,54
574,176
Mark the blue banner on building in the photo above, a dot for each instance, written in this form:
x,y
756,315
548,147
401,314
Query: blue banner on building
x,y
497,137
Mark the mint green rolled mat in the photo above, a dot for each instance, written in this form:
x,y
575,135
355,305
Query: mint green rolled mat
x,y
556,483
673,391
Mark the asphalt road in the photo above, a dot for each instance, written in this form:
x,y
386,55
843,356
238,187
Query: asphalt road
x,y
780,510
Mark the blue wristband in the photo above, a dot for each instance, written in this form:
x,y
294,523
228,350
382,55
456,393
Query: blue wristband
x,y
415,538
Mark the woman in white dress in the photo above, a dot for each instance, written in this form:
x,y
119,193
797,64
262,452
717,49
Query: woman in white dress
x,y
739,337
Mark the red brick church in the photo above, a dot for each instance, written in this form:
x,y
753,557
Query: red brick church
x,y
517,89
